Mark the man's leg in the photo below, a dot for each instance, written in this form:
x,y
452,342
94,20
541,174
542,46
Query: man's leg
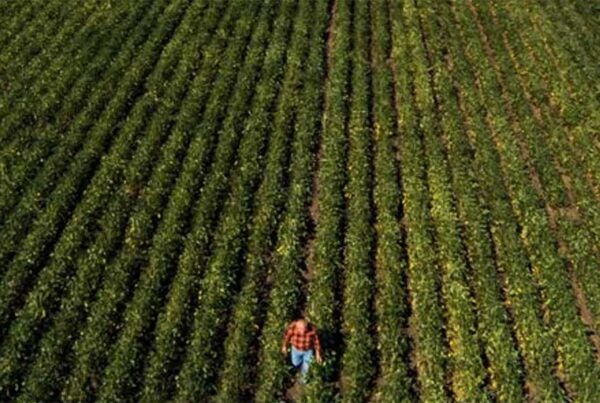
x,y
306,360
296,357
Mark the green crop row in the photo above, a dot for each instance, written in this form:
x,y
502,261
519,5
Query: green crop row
x,y
52,278
465,368
35,157
581,18
47,26
48,289
493,325
62,89
48,225
82,33
266,149
288,256
323,301
573,145
570,97
105,313
576,90
16,15
23,160
430,355
42,196
521,117
391,307
235,380
121,376
558,137
520,292
357,363
575,358
564,47
174,319
90,266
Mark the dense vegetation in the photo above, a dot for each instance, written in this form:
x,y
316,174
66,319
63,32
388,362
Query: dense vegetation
x,y
179,179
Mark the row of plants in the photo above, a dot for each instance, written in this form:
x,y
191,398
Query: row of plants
x,y
48,290
324,288
534,90
98,132
93,347
465,369
124,371
15,17
57,223
557,136
78,35
290,148
262,162
554,277
575,356
50,225
90,265
25,160
580,18
284,268
357,365
564,46
574,60
52,146
474,79
174,318
61,89
572,143
538,155
566,57
27,44
391,297
430,353
493,322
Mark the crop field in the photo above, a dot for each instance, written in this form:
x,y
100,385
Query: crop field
x,y
179,179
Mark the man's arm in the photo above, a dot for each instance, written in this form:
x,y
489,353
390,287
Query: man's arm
x,y
317,345
286,338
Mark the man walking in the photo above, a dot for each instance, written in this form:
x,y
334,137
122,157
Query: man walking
x,y
305,342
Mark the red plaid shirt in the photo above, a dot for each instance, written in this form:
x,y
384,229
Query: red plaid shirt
x,y
302,340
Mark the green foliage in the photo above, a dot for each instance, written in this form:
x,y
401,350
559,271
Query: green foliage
x,y
180,178
391,306
423,277
357,363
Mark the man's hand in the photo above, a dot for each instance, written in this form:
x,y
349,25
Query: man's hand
x,y
319,359
284,349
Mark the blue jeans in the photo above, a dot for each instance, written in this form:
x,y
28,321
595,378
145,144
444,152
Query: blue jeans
x,y
302,358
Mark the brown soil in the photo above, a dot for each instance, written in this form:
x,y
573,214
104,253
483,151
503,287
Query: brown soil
x,y
294,393
570,212
586,315
313,209
535,178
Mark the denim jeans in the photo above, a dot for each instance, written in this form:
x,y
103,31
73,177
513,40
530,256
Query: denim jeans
x,y
302,358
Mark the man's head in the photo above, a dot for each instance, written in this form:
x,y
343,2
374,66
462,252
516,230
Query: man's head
x,y
301,324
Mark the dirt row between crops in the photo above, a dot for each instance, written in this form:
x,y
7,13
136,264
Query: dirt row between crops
x,y
313,209
554,214
293,393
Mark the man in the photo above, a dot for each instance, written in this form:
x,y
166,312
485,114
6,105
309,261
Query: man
x,y
305,342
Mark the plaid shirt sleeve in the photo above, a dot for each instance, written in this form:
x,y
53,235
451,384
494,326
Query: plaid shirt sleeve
x,y
289,331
